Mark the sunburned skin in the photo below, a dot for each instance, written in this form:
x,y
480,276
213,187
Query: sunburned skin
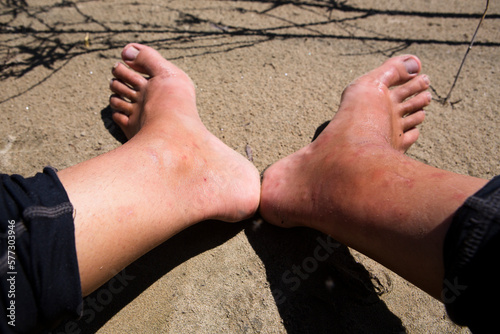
x,y
354,182
385,118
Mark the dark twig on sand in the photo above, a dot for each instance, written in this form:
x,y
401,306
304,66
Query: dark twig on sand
x,y
466,53
249,152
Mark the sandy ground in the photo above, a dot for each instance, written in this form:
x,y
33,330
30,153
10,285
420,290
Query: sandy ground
x,y
268,73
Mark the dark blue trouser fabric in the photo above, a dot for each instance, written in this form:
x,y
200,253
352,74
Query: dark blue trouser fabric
x,y
471,290
39,277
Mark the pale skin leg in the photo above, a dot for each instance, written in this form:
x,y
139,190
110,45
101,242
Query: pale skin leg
x,y
171,174
355,183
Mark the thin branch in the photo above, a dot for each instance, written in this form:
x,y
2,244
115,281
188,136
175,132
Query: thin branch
x,y
466,53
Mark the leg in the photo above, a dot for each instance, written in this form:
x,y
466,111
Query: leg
x,y
172,173
355,183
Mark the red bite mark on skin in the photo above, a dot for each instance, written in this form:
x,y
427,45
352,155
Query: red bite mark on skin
x,y
459,197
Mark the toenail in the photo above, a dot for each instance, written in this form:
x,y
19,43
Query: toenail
x,y
426,79
130,53
411,65
429,96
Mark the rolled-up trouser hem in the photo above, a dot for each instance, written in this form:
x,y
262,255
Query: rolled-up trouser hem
x,y
471,254
42,286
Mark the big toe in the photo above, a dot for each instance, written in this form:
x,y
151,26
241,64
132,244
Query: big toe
x,y
397,70
148,61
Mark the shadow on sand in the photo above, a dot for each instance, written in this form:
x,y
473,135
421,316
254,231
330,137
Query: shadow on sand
x,y
100,306
317,284
45,42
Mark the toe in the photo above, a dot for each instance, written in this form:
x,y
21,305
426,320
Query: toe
x,y
410,137
128,76
120,119
122,90
411,121
120,105
397,70
148,61
416,103
412,87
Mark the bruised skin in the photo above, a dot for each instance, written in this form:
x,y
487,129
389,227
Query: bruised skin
x,y
355,183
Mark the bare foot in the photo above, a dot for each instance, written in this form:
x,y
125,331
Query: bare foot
x,y
355,183
377,118
158,112
152,87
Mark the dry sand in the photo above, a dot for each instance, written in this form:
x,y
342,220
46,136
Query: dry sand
x,y
268,73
